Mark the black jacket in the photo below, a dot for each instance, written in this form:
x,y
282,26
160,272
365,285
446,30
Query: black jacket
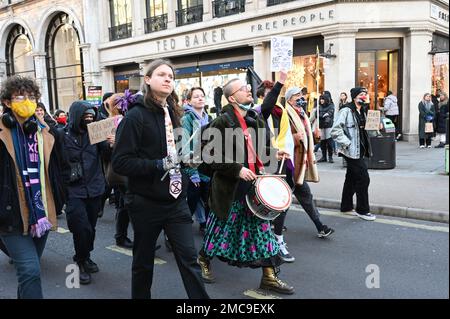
x,y
442,116
76,149
140,142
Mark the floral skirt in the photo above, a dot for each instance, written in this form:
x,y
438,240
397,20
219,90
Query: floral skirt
x,y
242,240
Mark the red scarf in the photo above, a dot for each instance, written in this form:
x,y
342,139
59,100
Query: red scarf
x,y
252,157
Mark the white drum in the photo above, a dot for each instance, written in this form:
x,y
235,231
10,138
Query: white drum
x,y
268,197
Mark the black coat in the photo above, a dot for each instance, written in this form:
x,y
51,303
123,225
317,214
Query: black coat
x,y
442,117
140,143
76,149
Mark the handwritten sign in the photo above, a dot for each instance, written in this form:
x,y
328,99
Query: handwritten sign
x,y
99,131
373,120
281,53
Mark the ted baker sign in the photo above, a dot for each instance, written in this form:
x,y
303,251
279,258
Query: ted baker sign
x,y
215,36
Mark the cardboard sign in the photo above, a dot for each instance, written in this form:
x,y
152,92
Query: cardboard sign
x,y
99,131
94,95
281,53
373,120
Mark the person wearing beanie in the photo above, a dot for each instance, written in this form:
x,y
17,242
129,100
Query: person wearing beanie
x,y
353,144
295,137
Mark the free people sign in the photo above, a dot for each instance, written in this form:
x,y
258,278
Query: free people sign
x,y
100,130
281,53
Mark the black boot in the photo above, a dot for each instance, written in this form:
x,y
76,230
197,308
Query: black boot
x,y
85,276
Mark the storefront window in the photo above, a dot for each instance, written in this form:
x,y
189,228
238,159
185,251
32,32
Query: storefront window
x,y
303,74
440,77
23,60
64,64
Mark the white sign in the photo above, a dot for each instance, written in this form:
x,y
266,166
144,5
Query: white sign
x,y
373,120
100,130
281,53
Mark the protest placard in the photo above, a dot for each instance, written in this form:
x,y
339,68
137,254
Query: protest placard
x,y
100,130
94,95
373,120
281,53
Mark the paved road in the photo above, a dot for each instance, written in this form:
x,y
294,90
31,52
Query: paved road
x,y
412,258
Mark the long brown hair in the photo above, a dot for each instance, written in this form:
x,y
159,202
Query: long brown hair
x,y
172,99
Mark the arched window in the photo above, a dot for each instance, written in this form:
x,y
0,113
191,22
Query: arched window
x,y
19,53
64,63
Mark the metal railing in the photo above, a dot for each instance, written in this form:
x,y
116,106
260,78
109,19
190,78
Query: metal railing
x,y
156,23
223,8
121,31
275,2
189,15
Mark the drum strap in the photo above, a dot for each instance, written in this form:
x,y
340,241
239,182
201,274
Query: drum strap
x,y
252,157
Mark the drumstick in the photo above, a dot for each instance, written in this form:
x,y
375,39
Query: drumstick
x,y
270,175
282,163
186,144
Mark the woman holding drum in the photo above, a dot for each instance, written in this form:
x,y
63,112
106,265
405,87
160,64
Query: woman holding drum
x,y
234,233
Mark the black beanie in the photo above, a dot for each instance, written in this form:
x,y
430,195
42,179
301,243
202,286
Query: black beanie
x,y
106,96
355,91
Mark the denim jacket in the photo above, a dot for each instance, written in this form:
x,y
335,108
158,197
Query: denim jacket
x,y
345,133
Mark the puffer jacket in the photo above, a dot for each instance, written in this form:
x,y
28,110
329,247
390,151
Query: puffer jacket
x,y
390,105
345,133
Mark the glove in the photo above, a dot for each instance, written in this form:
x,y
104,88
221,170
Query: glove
x,y
195,178
166,163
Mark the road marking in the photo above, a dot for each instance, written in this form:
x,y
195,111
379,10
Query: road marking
x,y
129,252
61,230
257,294
386,221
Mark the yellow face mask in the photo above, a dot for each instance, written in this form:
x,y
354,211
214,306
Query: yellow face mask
x,y
24,109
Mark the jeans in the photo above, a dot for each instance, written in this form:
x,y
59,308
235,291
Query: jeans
x,y
428,140
82,214
195,197
26,252
149,218
357,181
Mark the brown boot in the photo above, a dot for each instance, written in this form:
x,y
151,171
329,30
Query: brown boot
x,y
207,275
270,281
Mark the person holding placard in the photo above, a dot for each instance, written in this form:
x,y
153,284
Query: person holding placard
x,y
353,144
83,174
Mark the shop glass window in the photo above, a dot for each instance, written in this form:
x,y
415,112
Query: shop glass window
x,y
66,72
22,57
303,74
440,76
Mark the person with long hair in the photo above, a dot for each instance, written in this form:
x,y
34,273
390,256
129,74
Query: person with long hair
x,y
427,113
145,151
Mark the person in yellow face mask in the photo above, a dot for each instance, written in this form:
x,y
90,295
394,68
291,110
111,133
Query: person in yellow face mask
x,y
30,191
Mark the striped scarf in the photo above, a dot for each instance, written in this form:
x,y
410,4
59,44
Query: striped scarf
x,y
29,151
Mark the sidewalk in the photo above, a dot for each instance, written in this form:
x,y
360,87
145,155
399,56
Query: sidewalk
x,y
416,188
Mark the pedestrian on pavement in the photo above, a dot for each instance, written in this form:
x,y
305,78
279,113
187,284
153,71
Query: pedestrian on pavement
x,y
442,116
326,118
391,111
296,138
41,112
343,99
30,192
82,170
234,233
146,153
353,144
193,120
427,114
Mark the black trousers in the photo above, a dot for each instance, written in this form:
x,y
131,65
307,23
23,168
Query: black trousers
x,y
305,198
149,218
82,214
357,181
122,216
394,119
195,194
